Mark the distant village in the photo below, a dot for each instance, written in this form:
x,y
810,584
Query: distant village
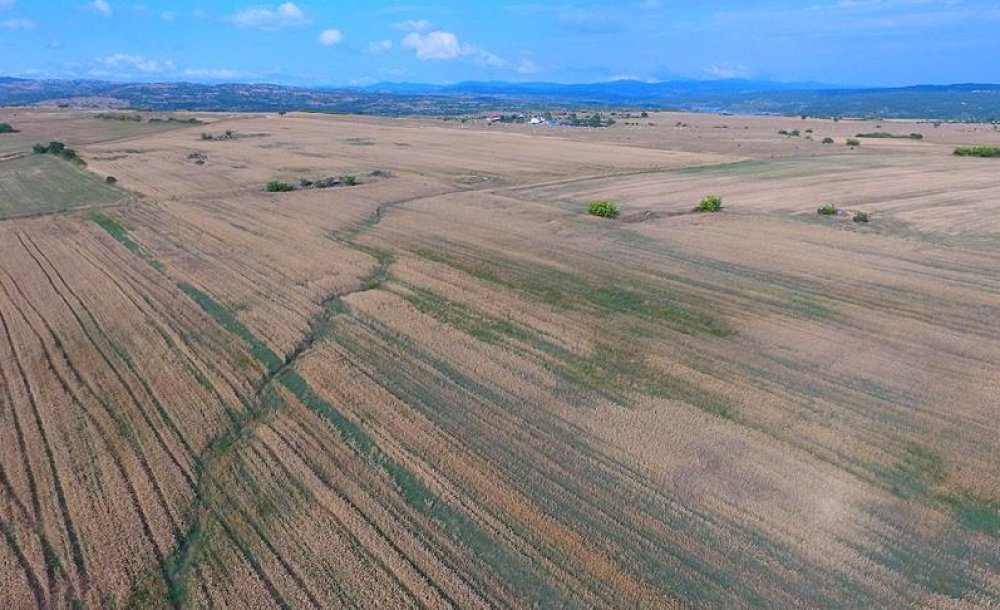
x,y
566,119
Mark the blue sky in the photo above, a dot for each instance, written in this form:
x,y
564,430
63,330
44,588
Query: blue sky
x,y
313,42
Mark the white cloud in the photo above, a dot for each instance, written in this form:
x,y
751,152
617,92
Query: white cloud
x,y
103,7
135,63
443,45
650,5
269,19
168,16
328,38
412,25
17,24
434,45
379,46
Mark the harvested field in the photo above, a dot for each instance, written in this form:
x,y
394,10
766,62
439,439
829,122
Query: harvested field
x,y
449,386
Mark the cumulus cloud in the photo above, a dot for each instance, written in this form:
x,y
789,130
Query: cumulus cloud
x,y
103,7
378,47
17,24
269,19
124,62
442,45
328,38
433,45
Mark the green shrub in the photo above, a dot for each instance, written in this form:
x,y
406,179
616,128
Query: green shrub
x,y
977,151
711,203
604,209
861,217
827,140
305,182
59,149
349,180
6,128
111,180
852,142
829,209
276,186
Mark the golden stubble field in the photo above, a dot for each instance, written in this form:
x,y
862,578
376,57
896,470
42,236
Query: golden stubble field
x,y
450,387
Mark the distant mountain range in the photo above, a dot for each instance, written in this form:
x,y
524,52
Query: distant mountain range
x,y
979,102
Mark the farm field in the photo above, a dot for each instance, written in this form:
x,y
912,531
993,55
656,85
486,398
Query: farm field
x,y
449,386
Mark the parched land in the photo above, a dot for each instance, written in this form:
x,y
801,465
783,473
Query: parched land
x,y
448,386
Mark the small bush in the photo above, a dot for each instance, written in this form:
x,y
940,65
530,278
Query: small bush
x,y
207,136
711,203
6,128
861,217
305,183
604,209
977,151
827,140
276,186
829,209
111,180
852,142
349,180
380,173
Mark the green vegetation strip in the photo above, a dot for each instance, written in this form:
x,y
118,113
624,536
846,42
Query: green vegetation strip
x,y
571,292
977,151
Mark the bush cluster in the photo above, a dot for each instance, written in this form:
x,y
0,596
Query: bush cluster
x,y
829,209
604,209
977,151
59,149
277,186
852,142
711,203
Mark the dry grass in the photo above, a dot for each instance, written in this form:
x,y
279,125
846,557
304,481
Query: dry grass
x,y
452,387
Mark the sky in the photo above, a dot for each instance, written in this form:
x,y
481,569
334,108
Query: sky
x,y
360,42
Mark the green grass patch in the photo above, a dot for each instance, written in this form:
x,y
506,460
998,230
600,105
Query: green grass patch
x,y
616,370
43,184
570,292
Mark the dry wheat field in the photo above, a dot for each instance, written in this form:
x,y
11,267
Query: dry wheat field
x,y
449,386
